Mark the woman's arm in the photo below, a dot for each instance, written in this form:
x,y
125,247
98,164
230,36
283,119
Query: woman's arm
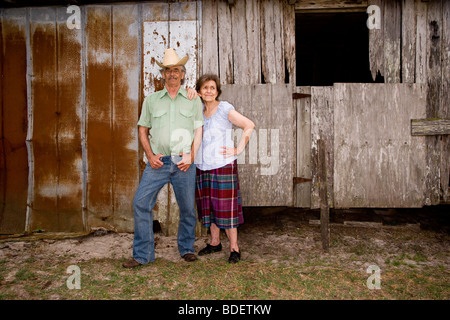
x,y
244,123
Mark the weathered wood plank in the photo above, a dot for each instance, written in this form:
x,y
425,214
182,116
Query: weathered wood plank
x,y
322,122
429,127
377,161
421,41
376,41
302,191
329,4
408,41
272,52
444,110
155,33
289,40
252,13
241,67
392,40
323,194
225,43
209,43
14,121
434,78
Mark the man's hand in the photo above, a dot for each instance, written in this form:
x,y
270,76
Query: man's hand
x,y
186,161
155,163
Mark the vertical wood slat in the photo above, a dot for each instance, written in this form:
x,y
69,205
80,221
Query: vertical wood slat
x,y
376,43
408,41
392,40
303,190
239,41
289,40
210,55
272,52
14,121
225,43
252,18
444,111
434,82
56,130
385,43
322,122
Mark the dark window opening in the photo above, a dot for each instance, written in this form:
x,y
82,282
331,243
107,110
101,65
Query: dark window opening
x,y
332,47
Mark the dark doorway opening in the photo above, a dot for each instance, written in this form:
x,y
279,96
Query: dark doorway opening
x,y
332,47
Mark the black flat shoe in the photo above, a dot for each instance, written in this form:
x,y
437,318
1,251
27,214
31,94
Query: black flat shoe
x,y
210,249
234,257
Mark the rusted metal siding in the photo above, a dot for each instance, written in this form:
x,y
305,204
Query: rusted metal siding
x,y
112,97
14,122
55,133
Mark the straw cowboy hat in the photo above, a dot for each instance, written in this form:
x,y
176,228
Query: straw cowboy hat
x,y
171,59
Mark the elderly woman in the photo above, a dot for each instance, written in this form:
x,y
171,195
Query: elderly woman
x,y
217,185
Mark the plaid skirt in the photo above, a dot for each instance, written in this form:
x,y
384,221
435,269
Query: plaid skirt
x,y
218,197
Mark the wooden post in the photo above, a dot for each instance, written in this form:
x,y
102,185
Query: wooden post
x,y
323,195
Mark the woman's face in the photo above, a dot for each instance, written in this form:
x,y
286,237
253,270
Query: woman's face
x,y
208,91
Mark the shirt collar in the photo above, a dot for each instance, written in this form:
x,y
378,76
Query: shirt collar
x,y
164,91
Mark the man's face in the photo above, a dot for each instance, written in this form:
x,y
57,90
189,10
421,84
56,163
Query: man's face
x,y
173,75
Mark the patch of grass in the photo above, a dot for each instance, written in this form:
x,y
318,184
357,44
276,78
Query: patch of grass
x,y
217,280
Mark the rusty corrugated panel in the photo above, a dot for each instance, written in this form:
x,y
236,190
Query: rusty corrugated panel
x,y
112,97
56,131
13,150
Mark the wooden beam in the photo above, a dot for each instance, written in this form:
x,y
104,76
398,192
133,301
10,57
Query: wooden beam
x,y
430,127
323,193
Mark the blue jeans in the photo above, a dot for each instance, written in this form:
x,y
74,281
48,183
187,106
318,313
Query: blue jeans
x,y
184,188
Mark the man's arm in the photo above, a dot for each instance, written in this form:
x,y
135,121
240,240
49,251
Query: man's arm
x,y
154,161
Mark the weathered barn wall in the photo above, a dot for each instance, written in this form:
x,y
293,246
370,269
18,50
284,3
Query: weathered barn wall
x,y
71,159
249,42
377,163
413,46
70,100
266,167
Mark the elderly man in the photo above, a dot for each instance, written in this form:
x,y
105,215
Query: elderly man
x,y
175,126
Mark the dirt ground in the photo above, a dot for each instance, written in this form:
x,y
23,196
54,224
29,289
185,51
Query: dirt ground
x,y
273,235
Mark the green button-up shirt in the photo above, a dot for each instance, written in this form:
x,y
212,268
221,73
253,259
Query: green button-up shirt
x,y
171,121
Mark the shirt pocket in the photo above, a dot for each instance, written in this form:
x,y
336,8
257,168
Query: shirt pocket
x,y
186,118
159,118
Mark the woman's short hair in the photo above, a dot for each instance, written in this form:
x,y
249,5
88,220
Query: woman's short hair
x,y
208,77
